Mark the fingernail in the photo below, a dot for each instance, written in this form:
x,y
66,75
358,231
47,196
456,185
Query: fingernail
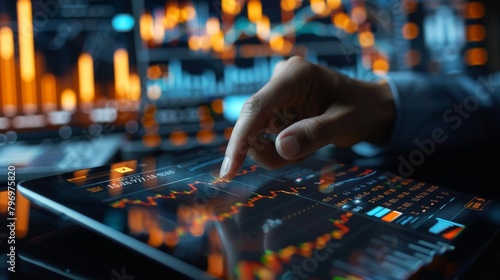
x,y
224,170
289,146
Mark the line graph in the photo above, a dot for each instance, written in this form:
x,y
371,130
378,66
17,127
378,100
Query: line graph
x,y
173,194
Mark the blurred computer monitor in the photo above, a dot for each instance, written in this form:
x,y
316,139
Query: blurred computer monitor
x,y
68,83
201,51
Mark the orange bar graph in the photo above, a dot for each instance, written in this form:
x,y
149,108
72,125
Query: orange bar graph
x,y
122,74
27,55
135,87
146,27
159,28
86,79
254,8
22,215
68,100
263,27
49,90
7,72
4,199
393,215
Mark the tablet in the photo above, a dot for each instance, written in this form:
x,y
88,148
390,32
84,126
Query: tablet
x,y
318,219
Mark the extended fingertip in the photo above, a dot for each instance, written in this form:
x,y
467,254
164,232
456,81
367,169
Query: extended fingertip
x,y
288,147
225,168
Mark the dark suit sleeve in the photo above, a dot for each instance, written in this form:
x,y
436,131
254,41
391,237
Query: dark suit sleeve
x,y
451,111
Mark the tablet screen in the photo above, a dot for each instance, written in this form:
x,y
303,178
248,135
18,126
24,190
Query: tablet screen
x,y
318,219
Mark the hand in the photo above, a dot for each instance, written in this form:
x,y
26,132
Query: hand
x,y
308,107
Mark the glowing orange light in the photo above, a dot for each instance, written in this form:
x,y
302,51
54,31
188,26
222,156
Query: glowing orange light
x,y
277,42
204,42
476,56
27,55
318,6
86,77
474,10
7,43
205,136
263,27
410,31
358,14
122,75
151,140
68,100
197,229
183,15
350,26
476,32
288,5
7,71
171,239
287,252
334,4
196,43
49,91
366,39
4,199
173,12
213,26
191,12
231,7
340,20
218,106
178,138
22,215
159,28
155,237
26,44
215,264
203,112
410,5
254,8
154,72
452,233
217,42
193,43
154,92
146,27
135,87
380,66
135,219
391,216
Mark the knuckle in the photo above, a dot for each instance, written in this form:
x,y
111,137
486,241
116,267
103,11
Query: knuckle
x,y
299,65
252,105
296,60
301,71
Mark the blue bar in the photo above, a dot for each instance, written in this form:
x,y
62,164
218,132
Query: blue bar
x,y
442,225
406,220
382,213
374,210
449,222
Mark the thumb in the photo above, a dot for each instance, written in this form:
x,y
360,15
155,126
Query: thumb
x,y
306,136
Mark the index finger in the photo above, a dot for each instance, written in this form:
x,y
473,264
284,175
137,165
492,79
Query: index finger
x,y
257,110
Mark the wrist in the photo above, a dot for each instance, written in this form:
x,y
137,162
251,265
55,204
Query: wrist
x,y
382,112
